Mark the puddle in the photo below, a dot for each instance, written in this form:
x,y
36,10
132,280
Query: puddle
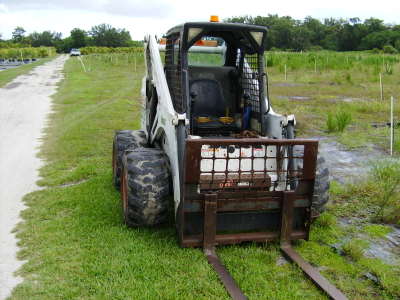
x,y
10,64
287,84
348,99
347,166
300,98
386,249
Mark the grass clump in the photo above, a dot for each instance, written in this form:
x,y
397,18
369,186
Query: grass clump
x,y
355,248
377,230
339,121
387,175
376,198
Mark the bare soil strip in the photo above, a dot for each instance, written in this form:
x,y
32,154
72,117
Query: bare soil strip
x,y
24,105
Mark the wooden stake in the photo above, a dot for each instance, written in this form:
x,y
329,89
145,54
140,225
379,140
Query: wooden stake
x,y
391,125
315,65
135,62
285,73
83,65
381,85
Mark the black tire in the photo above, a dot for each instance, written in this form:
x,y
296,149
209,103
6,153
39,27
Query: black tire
x,y
321,187
145,187
321,184
125,140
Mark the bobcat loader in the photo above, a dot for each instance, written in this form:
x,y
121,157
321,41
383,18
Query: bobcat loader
x,y
211,139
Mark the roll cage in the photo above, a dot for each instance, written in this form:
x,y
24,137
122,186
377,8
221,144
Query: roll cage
x,y
243,55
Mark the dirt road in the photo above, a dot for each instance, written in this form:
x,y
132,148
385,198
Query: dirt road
x,y
24,105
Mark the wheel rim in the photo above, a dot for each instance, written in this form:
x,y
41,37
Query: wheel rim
x,y
124,194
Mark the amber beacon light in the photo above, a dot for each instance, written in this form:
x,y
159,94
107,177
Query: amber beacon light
x,y
214,19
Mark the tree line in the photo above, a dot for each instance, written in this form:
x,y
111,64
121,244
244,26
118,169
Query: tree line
x,y
103,35
352,34
285,33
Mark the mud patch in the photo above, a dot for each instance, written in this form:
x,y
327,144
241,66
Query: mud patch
x,y
386,249
347,166
12,85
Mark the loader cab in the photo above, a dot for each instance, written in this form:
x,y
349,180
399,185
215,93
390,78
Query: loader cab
x,y
215,74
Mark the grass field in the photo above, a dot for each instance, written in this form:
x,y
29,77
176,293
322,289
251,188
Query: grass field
x,y
346,85
8,75
340,82
76,246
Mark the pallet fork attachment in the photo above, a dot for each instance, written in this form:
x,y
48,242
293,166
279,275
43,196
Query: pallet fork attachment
x,y
210,218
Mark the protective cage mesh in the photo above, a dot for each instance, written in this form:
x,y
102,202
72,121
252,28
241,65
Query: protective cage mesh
x,y
258,167
173,72
251,80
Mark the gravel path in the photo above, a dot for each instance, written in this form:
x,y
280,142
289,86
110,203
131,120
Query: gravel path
x,y
24,105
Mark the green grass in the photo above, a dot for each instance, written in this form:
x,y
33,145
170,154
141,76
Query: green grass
x,y
8,75
76,246
377,230
338,122
375,199
355,248
347,82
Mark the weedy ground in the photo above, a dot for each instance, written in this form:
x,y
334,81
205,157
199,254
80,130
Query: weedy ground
x,y
77,247
8,75
343,85
340,98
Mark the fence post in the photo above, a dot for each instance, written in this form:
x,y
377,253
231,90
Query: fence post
x,y
285,73
83,65
135,62
391,125
381,85
315,65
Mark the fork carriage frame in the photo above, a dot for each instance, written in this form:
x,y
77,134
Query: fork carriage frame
x,y
250,213
257,213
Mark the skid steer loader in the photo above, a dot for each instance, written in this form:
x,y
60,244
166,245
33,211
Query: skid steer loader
x,y
211,139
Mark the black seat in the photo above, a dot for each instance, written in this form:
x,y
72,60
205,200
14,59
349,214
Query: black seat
x,y
208,101
207,98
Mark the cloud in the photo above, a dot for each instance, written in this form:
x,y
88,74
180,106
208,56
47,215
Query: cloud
x,y
130,8
3,8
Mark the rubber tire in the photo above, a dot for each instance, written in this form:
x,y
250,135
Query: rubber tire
x,y
321,183
321,187
145,187
125,140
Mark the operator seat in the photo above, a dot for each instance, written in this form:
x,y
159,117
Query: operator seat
x,y
207,100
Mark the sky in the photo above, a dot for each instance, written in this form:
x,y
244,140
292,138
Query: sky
x,y
157,16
